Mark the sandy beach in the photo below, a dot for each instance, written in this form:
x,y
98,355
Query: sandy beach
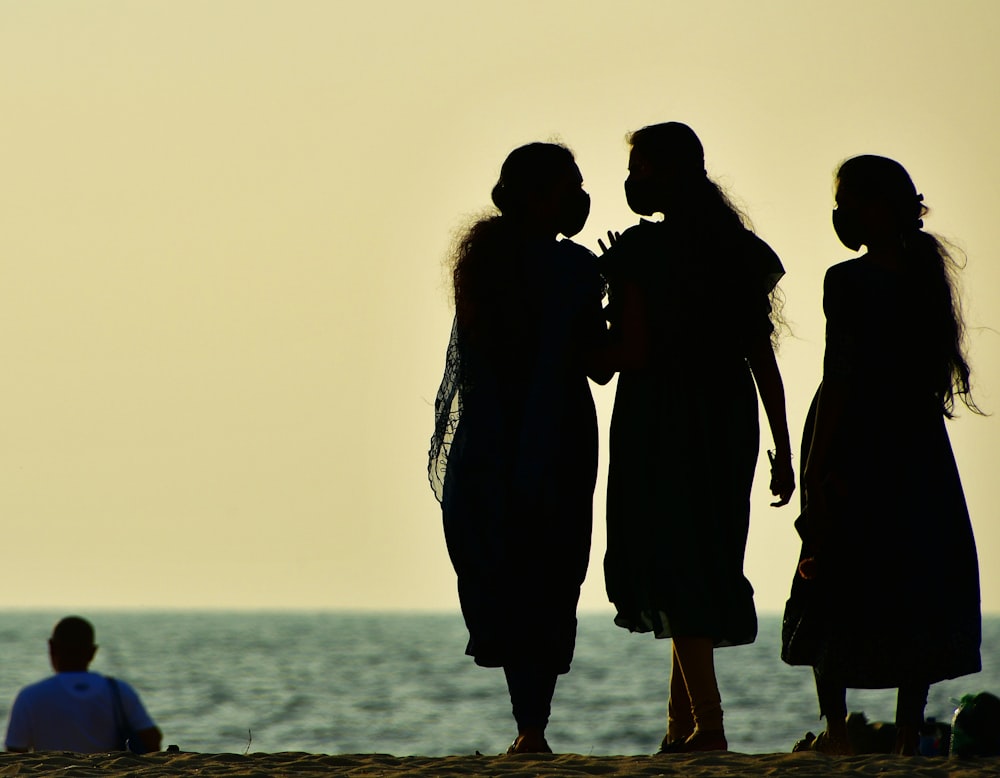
x,y
302,765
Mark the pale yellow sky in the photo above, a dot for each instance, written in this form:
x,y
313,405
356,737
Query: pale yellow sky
x,y
223,308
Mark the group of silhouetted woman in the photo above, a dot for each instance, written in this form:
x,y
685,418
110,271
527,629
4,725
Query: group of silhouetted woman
x,y
689,326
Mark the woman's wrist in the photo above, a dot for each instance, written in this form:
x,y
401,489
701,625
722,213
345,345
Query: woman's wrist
x,y
782,451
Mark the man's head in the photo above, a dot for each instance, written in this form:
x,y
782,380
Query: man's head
x,y
71,647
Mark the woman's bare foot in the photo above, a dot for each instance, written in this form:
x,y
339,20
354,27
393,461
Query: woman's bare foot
x,y
832,743
714,740
529,741
672,741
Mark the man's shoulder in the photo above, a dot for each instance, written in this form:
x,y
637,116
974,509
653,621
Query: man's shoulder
x,y
76,684
124,687
39,687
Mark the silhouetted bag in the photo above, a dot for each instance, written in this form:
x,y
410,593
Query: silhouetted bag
x,y
128,739
975,730
802,626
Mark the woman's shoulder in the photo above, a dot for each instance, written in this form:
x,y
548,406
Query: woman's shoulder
x,y
632,250
643,234
569,251
743,259
572,259
862,278
752,243
765,261
852,282
573,264
846,266
846,272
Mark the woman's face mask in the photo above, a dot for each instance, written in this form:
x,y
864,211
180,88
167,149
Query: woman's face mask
x,y
641,195
575,213
640,186
575,208
849,217
848,227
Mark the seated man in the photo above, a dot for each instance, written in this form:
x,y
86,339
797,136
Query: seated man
x,y
76,710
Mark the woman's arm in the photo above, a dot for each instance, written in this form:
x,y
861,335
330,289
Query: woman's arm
x,y
628,346
820,484
597,366
765,371
830,403
820,480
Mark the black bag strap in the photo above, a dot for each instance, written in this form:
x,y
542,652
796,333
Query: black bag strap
x,y
121,720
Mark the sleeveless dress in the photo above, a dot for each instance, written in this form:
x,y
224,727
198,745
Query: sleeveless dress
x,y
514,463
684,434
896,597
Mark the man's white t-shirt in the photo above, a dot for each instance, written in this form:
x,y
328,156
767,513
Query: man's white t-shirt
x,y
72,712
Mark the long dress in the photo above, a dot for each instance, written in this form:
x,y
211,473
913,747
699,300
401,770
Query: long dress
x,y
895,597
514,462
684,433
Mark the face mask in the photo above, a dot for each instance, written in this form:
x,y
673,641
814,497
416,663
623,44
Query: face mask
x,y
845,224
640,196
575,215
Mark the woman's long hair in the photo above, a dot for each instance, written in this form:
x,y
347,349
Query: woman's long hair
x,y
675,146
488,282
708,213
931,269
492,290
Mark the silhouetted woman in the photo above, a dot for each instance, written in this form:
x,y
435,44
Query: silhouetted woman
x,y
691,308
887,595
514,455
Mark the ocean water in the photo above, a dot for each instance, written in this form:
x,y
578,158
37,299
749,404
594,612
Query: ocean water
x,y
401,684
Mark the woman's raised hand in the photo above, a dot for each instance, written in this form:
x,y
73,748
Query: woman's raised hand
x,y
612,240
